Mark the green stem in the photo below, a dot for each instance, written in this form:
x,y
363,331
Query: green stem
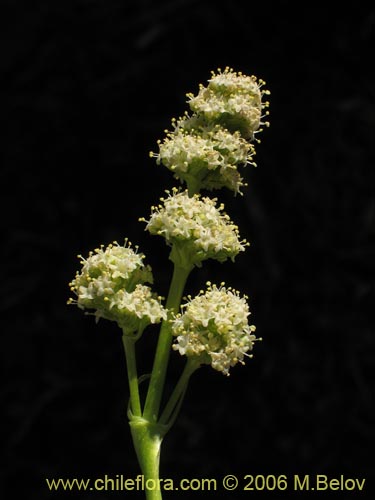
x,y
129,348
147,439
159,370
178,392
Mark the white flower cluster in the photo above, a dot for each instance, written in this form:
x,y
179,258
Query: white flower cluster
x,y
213,327
111,283
137,309
210,154
197,226
206,149
232,99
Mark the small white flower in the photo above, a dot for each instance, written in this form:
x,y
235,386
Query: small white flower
x,y
233,100
196,226
213,327
110,283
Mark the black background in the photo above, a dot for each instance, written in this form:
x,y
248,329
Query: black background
x,y
87,89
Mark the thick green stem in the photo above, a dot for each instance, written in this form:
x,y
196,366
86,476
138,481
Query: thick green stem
x,y
147,439
129,348
159,370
